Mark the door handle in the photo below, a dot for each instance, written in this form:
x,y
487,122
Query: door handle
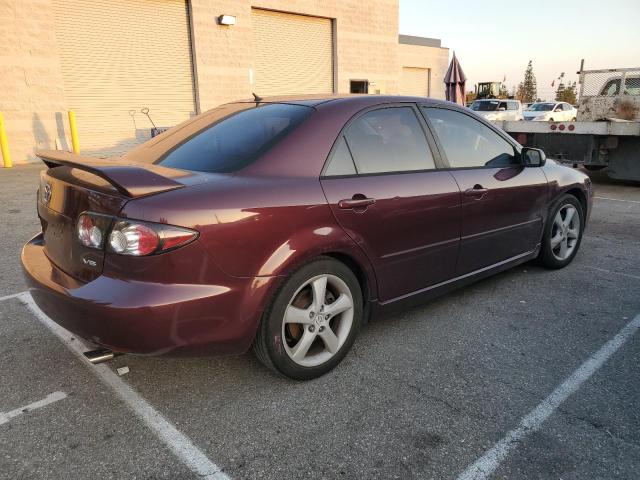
x,y
357,202
477,191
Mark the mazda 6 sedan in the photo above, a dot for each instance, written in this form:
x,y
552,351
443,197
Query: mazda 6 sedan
x,y
282,225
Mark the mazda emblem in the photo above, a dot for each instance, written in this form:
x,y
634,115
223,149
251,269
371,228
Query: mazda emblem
x,y
46,193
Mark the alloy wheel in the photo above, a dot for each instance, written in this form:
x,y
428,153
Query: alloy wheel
x,y
565,232
317,320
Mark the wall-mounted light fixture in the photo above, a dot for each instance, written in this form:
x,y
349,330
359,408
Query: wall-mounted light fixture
x,y
226,20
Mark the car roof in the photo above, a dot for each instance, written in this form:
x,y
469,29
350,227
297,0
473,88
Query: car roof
x,y
315,100
497,100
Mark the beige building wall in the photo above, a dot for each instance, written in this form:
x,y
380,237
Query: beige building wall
x,y
33,95
434,58
366,39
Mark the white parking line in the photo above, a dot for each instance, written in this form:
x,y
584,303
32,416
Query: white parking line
x,y
616,199
51,398
178,443
484,467
13,295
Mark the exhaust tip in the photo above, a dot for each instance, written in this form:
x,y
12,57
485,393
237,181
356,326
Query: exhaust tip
x,y
99,356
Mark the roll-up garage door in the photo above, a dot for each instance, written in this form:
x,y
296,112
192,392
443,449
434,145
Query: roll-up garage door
x,y
118,57
293,54
414,81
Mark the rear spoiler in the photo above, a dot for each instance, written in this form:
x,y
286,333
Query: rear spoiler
x,y
129,179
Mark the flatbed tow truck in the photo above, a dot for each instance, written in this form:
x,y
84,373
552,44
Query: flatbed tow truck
x,y
606,134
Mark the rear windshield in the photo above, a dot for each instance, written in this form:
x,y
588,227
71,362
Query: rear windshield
x,y
237,140
542,107
489,106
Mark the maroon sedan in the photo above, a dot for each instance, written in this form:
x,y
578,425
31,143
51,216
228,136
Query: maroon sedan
x,y
281,225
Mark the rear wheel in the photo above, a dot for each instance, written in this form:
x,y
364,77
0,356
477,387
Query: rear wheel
x,y
563,233
312,322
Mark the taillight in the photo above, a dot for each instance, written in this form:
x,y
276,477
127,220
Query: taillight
x,y
133,239
92,229
129,237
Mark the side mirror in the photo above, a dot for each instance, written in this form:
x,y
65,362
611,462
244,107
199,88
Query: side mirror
x,y
533,157
558,109
501,109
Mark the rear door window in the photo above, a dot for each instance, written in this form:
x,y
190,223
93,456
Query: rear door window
x,y
632,86
389,140
341,162
237,140
512,106
467,142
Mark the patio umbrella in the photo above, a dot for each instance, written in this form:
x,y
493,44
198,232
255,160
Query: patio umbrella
x,y
454,81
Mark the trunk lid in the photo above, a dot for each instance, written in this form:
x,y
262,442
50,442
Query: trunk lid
x,y
74,184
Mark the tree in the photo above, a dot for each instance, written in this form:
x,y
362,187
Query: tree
x,y
566,92
528,88
519,95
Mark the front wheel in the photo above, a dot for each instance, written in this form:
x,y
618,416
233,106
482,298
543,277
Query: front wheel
x,y
563,233
312,322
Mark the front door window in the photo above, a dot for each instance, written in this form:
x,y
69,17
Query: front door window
x,y
469,143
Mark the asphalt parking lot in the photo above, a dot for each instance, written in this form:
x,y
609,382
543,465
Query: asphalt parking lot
x,y
423,394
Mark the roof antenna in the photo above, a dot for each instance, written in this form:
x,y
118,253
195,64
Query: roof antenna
x,y
256,97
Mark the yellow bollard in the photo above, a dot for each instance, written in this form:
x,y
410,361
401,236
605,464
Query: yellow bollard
x,y
4,144
74,132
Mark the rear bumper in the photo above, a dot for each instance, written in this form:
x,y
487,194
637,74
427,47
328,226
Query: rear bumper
x,y
144,317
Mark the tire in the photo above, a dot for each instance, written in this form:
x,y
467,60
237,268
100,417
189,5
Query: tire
x,y
560,244
551,120
314,340
574,119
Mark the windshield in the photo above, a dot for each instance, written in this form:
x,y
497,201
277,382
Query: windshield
x,y
483,89
542,107
490,88
489,106
236,140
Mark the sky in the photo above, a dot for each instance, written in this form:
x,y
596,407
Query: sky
x,y
493,39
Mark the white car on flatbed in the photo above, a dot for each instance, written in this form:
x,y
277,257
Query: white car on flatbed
x,y
496,109
551,112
